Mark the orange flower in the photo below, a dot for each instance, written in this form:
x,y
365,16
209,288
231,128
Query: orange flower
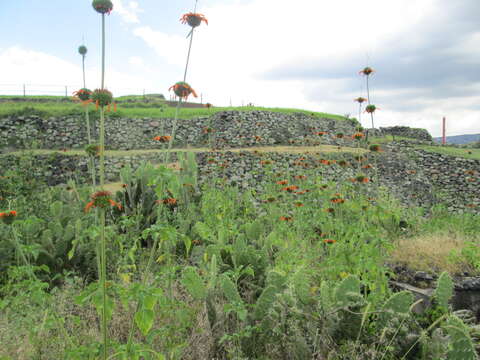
x,y
193,19
360,179
301,192
282,182
325,162
329,241
330,210
168,201
257,138
368,166
366,71
357,136
162,139
337,200
375,148
321,133
286,218
101,199
291,188
8,216
183,90
300,177
298,204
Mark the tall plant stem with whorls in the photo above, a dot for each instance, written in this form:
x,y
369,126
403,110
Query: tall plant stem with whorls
x,y
103,257
179,103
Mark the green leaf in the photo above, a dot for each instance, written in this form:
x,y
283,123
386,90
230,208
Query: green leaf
x,y
194,283
203,231
144,320
230,290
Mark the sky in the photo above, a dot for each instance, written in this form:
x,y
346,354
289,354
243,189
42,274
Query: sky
x,y
305,54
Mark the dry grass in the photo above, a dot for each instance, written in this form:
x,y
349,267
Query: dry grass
x,y
431,253
262,149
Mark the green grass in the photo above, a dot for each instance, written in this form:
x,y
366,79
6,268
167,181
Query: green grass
x,y
452,151
387,139
56,108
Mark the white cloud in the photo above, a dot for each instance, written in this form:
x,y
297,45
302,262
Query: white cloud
x,y
46,74
129,12
136,61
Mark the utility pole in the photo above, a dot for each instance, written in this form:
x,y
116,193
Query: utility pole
x,y
444,137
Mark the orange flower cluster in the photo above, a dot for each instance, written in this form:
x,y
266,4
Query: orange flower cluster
x,y
361,179
337,199
101,199
290,188
300,177
257,138
8,216
286,218
282,182
367,166
321,133
329,241
168,201
162,139
357,136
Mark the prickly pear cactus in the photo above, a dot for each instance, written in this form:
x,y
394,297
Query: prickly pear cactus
x,y
444,290
230,290
347,292
398,305
461,344
264,302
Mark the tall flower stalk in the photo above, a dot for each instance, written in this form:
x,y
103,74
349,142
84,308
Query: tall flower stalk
x,y
367,71
84,95
360,101
193,19
102,98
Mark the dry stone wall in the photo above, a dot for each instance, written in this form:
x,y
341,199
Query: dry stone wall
x,y
223,130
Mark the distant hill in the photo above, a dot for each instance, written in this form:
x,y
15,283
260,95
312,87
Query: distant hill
x,y
460,139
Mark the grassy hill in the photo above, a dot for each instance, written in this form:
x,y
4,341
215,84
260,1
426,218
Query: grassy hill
x,y
129,106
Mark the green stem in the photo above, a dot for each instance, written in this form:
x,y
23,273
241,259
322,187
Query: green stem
x,y
103,282
174,129
144,281
17,244
103,51
102,147
83,68
188,55
87,121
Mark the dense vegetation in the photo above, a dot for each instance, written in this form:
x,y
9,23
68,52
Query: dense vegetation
x,y
297,272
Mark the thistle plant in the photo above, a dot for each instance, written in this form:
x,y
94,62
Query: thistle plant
x,y
102,98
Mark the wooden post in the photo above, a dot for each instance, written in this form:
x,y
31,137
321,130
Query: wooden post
x,y
444,137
